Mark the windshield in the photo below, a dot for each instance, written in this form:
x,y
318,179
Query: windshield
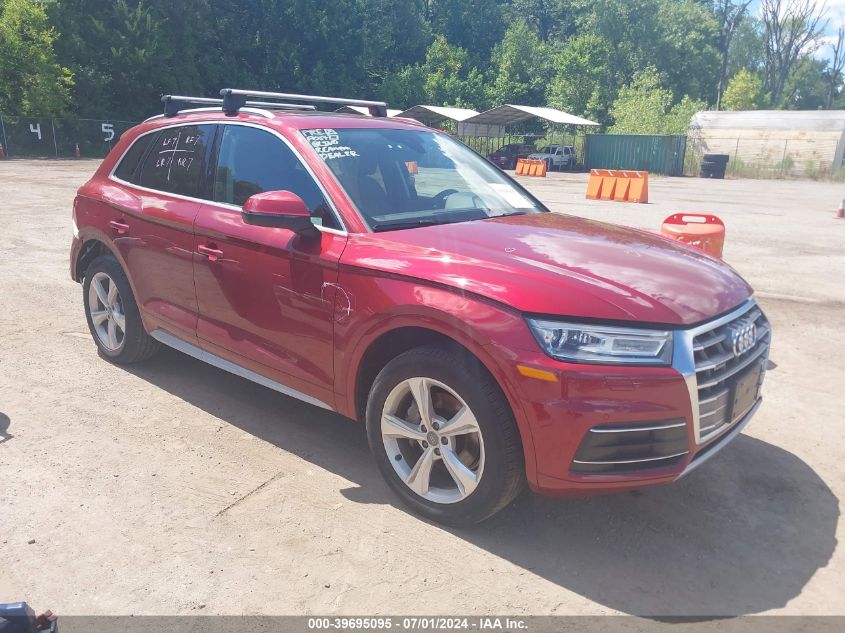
x,y
405,178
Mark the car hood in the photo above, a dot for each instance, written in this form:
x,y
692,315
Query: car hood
x,y
555,264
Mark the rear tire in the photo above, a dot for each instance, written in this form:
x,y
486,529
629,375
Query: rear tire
x,y
112,314
458,458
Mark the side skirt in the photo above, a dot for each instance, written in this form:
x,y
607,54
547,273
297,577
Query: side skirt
x,y
221,363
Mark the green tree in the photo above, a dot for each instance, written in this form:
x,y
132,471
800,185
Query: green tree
x,y
404,88
806,88
729,15
552,19
118,53
520,69
446,78
744,92
685,48
572,54
645,107
679,117
31,79
585,79
449,78
747,47
792,30
642,105
677,37
476,26
833,72
394,34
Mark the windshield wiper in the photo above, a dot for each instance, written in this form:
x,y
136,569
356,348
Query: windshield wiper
x,y
412,224
507,215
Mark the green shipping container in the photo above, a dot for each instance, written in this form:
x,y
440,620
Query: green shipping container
x,y
636,152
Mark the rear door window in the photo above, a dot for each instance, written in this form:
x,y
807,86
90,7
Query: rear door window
x,y
252,161
128,166
177,160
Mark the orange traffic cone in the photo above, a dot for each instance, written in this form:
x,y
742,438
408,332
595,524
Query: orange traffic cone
x,y
2,153
76,152
840,212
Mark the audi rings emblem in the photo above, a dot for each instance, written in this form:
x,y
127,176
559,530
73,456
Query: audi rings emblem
x,y
743,337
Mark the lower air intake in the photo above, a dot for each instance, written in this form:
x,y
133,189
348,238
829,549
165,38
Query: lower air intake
x,y
632,448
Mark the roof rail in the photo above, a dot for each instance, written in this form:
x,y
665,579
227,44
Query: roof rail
x,y
173,104
234,99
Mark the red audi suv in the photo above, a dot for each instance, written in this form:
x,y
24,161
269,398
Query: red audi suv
x,y
383,270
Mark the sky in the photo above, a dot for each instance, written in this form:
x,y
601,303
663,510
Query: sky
x,y
836,16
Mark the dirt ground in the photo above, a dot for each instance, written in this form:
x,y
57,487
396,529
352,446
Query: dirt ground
x,y
174,488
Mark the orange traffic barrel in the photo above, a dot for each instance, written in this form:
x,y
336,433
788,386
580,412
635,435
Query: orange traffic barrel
x,y
706,232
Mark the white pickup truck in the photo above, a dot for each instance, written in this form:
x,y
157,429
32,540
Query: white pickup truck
x,y
556,156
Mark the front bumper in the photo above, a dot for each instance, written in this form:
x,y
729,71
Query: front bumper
x,y
604,428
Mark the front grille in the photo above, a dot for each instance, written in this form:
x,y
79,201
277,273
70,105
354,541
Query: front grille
x,y
728,377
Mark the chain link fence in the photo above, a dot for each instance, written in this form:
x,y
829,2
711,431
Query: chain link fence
x,y
41,137
810,156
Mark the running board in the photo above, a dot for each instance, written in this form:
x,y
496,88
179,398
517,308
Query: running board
x,y
221,363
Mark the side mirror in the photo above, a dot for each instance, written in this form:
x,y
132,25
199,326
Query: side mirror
x,y
279,209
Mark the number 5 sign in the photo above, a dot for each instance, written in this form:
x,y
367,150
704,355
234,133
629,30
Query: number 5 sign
x,y
108,130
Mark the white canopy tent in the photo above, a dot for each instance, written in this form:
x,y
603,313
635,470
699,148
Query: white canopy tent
x,y
348,109
495,121
488,131
435,115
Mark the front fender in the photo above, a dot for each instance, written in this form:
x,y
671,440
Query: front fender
x,y
382,304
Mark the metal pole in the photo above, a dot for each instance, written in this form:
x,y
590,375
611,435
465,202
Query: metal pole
x,y
736,151
3,127
55,145
783,160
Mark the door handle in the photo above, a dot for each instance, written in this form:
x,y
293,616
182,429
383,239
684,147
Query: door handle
x,y
213,254
121,227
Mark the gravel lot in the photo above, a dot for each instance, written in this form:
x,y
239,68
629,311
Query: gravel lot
x,y
175,488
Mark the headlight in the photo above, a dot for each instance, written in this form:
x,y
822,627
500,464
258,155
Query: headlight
x,y
601,344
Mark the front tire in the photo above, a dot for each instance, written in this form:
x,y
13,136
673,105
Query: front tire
x,y
112,314
444,436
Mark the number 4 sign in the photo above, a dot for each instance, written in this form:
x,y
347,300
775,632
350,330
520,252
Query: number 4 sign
x,y
35,129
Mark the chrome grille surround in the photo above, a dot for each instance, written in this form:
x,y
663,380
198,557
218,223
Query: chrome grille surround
x,y
712,357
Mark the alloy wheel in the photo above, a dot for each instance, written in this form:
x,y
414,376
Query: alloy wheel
x,y
105,307
432,440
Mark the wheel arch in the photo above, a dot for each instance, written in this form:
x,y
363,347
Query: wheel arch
x,y
90,250
392,342
93,244
387,346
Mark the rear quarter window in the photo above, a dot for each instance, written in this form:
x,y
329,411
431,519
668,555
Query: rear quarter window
x,y
176,162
